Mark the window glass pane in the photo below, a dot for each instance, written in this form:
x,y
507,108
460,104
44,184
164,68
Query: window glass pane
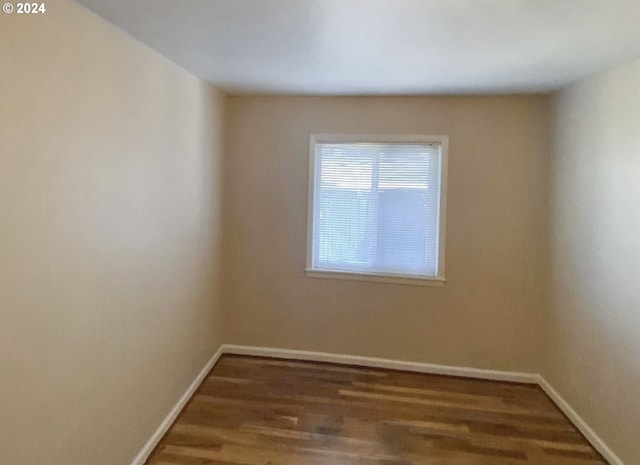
x,y
344,225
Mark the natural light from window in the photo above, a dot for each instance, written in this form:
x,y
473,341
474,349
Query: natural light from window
x,y
376,207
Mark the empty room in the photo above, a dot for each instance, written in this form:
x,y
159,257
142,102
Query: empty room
x,y
320,232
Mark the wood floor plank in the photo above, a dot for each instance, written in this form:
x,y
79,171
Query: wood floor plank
x,y
263,411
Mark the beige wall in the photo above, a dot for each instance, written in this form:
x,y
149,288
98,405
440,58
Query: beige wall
x,y
594,321
488,313
109,229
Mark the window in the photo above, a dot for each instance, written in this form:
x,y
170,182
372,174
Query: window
x,y
376,208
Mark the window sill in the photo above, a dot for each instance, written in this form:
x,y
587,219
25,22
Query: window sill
x,y
378,278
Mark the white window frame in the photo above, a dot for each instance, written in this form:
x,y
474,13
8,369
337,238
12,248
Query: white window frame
x,y
441,140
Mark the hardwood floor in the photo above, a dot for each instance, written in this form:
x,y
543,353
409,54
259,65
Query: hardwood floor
x,y
261,411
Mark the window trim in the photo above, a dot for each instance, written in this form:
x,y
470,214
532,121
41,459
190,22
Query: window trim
x,y
443,141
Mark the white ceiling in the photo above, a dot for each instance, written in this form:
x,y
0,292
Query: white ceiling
x,y
371,47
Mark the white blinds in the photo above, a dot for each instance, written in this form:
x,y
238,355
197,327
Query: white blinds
x,y
376,208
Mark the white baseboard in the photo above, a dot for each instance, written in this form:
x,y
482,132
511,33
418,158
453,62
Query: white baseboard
x,y
579,423
495,375
418,367
175,411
